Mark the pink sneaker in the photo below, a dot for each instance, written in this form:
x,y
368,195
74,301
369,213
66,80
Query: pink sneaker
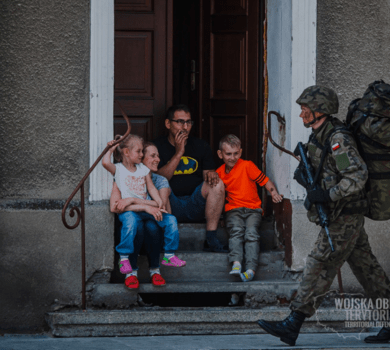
x,y
124,266
174,261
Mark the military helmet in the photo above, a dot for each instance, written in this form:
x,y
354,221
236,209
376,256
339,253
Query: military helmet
x,y
319,99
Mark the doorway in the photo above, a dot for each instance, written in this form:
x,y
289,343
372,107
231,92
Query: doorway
x,y
203,53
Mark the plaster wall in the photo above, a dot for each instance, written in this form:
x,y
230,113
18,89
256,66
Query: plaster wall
x,y
44,128
353,42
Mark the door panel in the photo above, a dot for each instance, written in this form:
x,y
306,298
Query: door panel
x,y
143,57
230,73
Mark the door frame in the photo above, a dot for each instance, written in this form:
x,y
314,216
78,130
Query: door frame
x,y
101,117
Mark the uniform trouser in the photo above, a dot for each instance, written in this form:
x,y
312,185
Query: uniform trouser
x,y
243,227
351,244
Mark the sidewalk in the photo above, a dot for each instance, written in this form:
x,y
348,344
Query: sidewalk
x,y
237,342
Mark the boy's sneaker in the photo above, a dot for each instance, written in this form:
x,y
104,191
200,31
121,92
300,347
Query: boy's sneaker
x,y
236,269
247,276
173,261
124,266
132,282
157,280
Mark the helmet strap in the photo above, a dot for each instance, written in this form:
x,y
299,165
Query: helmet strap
x,y
309,124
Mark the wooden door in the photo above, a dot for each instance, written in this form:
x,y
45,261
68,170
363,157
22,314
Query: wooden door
x,y
142,65
229,71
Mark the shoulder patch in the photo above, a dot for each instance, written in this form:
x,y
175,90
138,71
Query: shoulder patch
x,y
342,161
335,146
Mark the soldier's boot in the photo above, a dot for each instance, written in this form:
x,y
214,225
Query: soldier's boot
x,y
287,330
382,337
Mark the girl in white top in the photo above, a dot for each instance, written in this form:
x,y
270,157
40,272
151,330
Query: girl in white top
x,y
134,182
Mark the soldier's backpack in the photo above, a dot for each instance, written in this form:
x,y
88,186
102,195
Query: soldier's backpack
x,y
369,120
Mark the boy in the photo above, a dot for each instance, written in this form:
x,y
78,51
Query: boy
x,y
243,208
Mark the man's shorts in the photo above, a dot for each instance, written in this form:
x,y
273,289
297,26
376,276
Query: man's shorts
x,y
189,208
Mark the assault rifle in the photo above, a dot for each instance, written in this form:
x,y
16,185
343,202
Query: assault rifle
x,y
308,178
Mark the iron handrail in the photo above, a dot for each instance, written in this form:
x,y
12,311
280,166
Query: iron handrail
x,y
81,211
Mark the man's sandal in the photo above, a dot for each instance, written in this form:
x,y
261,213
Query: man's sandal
x,y
174,261
132,282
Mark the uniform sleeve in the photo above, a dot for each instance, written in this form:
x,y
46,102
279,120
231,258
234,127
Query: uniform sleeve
x,y
256,174
349,164
208,160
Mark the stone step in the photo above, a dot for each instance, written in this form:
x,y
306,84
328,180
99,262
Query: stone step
x,y
253,294
192,236
185,321
211,267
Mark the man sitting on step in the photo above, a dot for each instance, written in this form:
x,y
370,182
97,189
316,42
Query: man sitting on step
x,y
187,162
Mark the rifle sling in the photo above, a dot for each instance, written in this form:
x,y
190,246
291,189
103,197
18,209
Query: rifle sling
x,y
325,149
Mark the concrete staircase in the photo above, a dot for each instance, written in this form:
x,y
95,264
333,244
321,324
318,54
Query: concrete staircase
x,y
200,298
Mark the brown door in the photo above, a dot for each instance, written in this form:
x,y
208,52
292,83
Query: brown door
x,y
142,65
229,70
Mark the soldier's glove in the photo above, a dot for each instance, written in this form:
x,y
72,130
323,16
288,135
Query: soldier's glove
x,y
299,176
319,196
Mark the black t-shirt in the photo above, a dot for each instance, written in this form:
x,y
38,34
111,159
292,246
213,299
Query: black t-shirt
x,y
189,173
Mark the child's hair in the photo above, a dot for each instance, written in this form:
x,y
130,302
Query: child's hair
x,y
231,140
128,143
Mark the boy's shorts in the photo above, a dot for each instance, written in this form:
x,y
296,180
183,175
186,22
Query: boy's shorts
x,y
189,208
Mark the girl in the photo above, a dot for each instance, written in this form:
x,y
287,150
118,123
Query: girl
x,y
134,182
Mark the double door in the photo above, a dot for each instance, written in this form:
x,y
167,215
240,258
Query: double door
x,y
204,53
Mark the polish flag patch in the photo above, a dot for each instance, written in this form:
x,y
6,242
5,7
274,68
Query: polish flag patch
x,y
335,146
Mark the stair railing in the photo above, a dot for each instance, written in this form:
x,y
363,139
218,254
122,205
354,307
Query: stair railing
x,y
81,211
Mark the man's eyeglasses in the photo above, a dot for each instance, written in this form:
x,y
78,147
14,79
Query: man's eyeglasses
x,y
182,121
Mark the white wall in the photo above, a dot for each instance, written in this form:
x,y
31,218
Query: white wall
x,y
101,93
291,68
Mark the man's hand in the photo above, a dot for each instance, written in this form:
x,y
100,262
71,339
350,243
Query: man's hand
x,y
318,196
211,177
156,212
180,141
300,177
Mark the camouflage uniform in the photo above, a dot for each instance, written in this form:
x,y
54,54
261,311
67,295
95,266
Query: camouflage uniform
x,y
344,174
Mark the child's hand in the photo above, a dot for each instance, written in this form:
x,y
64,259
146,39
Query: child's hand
x,y
123,203
110,143
277,198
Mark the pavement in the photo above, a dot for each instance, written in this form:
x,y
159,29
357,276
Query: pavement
x,y
191,342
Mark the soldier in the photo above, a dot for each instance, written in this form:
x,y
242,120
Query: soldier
x,y
342,177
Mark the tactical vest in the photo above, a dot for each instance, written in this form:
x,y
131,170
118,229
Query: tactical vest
x,y
327,174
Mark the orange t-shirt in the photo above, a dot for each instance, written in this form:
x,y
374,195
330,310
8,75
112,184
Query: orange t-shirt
x,y
240,185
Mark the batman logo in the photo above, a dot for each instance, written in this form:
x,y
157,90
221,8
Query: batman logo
x,y
187,166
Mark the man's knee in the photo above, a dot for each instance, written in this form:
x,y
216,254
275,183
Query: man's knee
x,y
218,190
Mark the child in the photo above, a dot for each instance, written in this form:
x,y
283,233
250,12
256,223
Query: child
x,y
134,182
243,208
